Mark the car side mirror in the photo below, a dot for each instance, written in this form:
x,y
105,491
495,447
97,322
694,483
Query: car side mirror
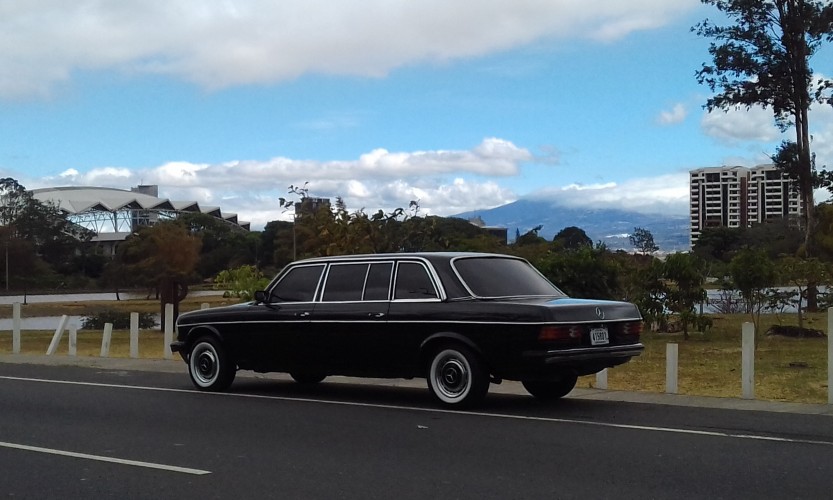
x,y
260,296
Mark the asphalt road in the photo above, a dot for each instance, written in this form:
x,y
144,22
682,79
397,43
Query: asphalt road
x,y
80,432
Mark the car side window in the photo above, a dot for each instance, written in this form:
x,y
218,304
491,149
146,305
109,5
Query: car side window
x,y
377,286
413,282
298,285
344,282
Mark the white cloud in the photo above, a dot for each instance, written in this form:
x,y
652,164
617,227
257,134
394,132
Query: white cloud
x,y
673,116
376,180
665,194
381,180
740,125
821,123
756,130
221,44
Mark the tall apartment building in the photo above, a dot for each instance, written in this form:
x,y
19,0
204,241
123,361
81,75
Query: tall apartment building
x,y
740,197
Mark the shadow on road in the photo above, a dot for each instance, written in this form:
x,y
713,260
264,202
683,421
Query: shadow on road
x,y
415,397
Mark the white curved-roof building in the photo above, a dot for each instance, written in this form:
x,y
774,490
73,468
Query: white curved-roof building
x,y
113,214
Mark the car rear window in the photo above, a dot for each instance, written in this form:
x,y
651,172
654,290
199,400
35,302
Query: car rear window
x,y
499,277
413,282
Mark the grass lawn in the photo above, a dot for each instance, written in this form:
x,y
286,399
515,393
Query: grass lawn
x,y
151,342
786,369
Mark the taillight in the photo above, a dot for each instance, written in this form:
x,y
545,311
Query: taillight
x,y
633,328
559,333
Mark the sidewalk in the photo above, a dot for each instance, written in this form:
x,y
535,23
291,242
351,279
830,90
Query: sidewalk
x,y
177,366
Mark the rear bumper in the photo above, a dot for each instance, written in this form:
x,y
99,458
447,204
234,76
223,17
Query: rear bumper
x,y
581,360
561,356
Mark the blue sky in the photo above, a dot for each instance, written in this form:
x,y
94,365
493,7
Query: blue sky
x,y
461,105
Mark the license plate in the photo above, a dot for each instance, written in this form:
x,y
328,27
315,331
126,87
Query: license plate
x,y
598,336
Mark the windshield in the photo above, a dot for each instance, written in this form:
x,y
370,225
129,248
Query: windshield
x,y
503,277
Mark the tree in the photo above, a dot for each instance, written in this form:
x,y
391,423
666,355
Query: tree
x,y
48,234
21,259
164,256
719,243
643,241
823,236
241,282
13,200
642,282
530,237
763,59
572,238
224,246
802,273
752,272
531,246
586,272
54,237
684,278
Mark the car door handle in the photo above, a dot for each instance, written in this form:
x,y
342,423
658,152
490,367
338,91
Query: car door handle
x,y
376,315
303,314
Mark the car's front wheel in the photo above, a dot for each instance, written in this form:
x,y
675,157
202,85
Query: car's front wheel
x,y
456,377
549,390
210,366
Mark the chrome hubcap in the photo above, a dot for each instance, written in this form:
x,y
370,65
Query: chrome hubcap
x,y
451,376
204,364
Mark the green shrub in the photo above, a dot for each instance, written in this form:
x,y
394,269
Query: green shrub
x,y
120,321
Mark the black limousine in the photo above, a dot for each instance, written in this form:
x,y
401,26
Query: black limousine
x,y
460,320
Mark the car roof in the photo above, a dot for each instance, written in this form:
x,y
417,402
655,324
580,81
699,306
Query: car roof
x,y
431,256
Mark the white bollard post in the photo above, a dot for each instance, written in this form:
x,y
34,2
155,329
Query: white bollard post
x,y
105,340
829,356
671,367
16,328
134,335
205,305
601,379
748,361
56,339
73,340
169,330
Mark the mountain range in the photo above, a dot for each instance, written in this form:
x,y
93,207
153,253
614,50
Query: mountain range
x,y
609,226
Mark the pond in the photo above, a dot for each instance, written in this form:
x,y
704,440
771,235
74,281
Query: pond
x,y
716,297
41,323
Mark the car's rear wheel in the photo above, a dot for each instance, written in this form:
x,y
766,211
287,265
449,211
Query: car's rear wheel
x,y
549,390
307,378
456,377
210,366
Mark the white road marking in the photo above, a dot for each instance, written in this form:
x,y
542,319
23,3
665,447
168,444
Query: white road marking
x,y
100,458
672,430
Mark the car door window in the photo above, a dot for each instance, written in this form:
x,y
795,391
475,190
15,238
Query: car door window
x,y
413,282
344,282
298,285
377,286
